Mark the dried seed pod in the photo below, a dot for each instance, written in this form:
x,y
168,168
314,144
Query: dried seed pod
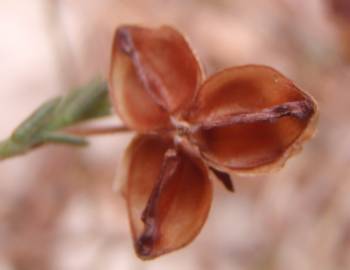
x,y
168,195
250,118
153,74
244,120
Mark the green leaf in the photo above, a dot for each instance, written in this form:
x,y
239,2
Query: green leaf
x,y
44,124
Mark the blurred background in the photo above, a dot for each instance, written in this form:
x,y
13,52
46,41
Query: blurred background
x,y
57,207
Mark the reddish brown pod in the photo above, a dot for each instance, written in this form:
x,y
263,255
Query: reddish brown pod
x,y
246,120
153,75
250,118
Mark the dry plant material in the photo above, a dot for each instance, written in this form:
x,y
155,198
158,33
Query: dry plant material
x,y
246,120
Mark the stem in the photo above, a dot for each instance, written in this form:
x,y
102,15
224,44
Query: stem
x,y
96,130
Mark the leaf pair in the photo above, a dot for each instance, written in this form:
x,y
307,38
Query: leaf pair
x,y
245,119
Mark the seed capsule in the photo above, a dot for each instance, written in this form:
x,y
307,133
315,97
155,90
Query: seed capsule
x,y
153,74
250,118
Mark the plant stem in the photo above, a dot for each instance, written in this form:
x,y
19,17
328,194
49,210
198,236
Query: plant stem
x,y
96,130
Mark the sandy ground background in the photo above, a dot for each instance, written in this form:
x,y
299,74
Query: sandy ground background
x,y
57,207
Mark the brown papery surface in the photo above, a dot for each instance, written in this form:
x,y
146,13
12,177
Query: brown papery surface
x,y
181,206
258,127
132,102
152,65
242,89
